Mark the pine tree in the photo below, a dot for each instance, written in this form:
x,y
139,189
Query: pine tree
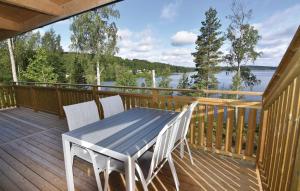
x,y
208,54
77,74
50,42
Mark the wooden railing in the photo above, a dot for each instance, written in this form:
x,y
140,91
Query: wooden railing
x,y
224,126
7,97
279,150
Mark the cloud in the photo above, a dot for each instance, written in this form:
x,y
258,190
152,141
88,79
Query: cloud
x,y
145,45
130,41
182,38
277,32
178,56
169,11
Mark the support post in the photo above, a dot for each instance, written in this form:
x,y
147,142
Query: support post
x,y
12,60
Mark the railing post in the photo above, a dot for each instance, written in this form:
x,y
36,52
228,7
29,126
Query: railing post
x,y
262,135
59,100
155,94
296,171
33,98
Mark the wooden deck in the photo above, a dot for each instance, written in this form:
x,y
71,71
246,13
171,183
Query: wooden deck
x,y
31,158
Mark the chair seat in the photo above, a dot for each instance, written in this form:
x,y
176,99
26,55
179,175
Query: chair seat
x,y
101,160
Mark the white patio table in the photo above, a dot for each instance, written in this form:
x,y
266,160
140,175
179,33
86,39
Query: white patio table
x,y
125,137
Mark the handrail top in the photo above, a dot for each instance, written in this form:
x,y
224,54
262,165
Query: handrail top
x,y
227,92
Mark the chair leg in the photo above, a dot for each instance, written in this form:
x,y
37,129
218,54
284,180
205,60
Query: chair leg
x,y
96,171
182,149
189,150
142,178
173,170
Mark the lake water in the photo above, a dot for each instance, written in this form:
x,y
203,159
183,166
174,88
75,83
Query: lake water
x,y
223,78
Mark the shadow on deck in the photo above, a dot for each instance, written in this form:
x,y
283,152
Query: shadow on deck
x,y
31,158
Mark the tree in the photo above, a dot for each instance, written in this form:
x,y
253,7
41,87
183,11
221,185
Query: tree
x,y
77,74
93,32
50,42
125,77
165,80
184,82
208,54
243,38
39,70
25,47
5,71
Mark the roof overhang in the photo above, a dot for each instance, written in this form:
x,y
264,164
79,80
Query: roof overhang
x,y
20,16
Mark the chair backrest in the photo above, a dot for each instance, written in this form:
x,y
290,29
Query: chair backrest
x,y
185,122
164,143
112,105
81,114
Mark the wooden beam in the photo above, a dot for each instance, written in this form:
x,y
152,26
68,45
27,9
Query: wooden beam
x,y
42,6
51,12
78,6
9,25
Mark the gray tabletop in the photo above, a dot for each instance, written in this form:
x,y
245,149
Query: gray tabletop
x,y
124,134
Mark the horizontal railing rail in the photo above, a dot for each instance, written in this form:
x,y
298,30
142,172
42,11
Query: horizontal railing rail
x,y
225,126
205,91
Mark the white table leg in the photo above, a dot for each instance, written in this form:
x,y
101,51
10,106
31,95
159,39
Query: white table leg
x,y
130,174
68,165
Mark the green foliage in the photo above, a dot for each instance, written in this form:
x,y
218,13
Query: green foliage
x,y
5,69
164,82
184,82
24,48
243,38
140,68
50,42
147,76
95,32
208,54
77,76
125,77
39,69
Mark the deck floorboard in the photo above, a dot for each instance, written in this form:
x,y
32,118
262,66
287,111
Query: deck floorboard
x,y
31,158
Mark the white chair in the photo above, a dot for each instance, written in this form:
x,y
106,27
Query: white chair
x,y
148,165
79,115
183,130
112,105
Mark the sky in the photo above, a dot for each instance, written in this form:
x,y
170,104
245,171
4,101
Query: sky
x,y
166,30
